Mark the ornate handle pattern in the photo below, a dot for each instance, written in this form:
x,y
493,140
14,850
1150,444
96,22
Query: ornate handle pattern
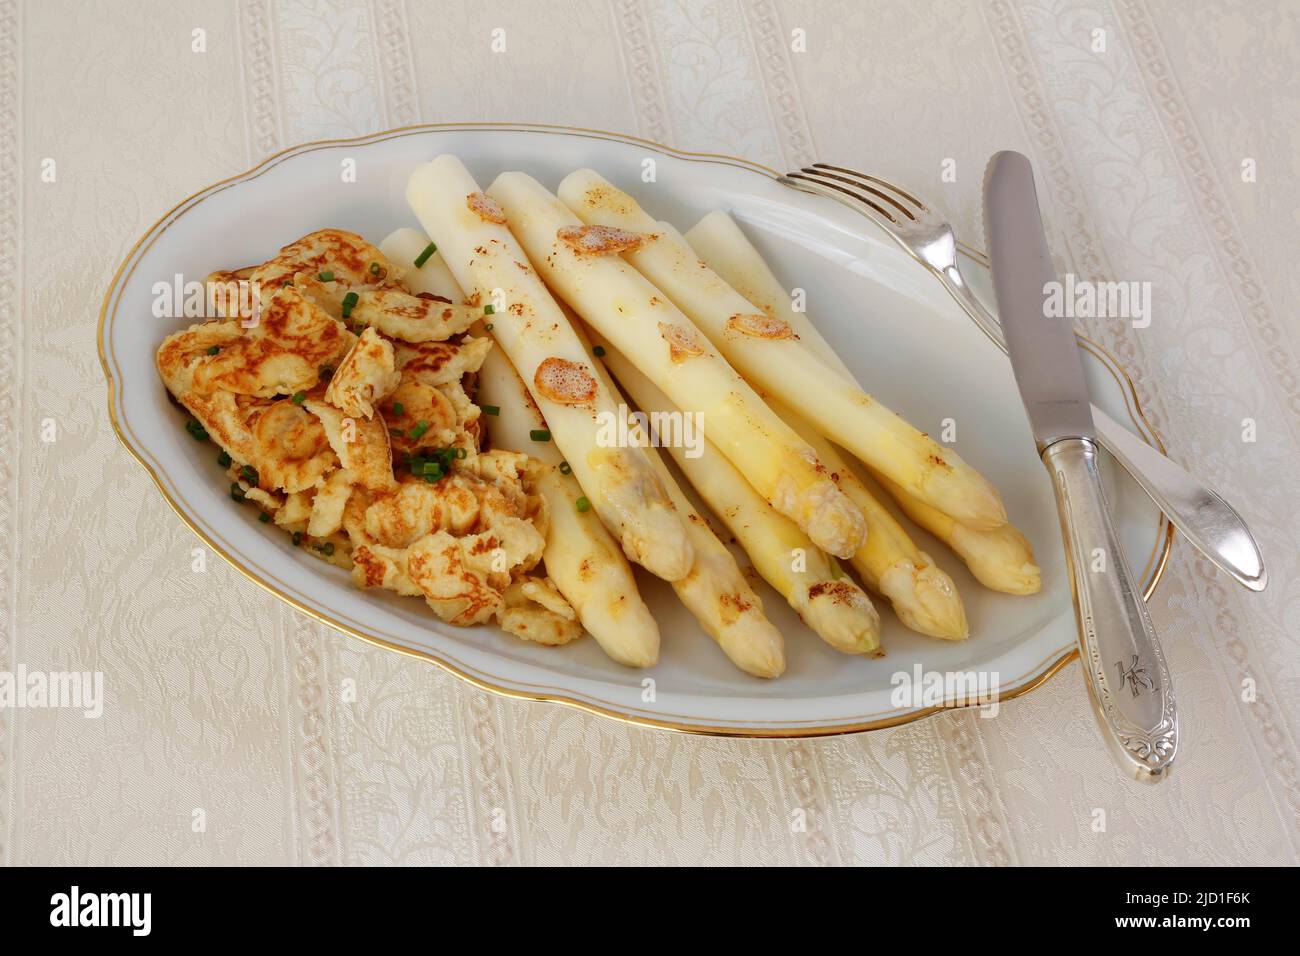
x,y
1123,665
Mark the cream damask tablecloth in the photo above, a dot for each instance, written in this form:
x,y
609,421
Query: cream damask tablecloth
x,y
224,739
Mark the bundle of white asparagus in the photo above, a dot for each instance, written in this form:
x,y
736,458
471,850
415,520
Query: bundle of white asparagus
x,y
809,579
767,350
695,326
536,336
623,305
1000,558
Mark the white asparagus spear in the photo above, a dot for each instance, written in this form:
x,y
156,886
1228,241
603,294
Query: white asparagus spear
x,y
1002,558
921,593
809,579
767,351
488,264
716,591
613,297
580,556
718,594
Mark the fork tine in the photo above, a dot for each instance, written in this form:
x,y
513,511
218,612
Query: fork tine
x,y
817,171
797,180
866,178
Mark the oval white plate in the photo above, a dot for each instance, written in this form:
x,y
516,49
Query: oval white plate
x,y
894,324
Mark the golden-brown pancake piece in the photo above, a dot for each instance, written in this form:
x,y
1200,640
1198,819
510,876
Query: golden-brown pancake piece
x,y
341,402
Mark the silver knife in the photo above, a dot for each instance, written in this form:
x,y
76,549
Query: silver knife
x,y
1123,665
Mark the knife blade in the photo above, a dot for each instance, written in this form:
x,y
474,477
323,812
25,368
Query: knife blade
x,y
1043,349
1124,668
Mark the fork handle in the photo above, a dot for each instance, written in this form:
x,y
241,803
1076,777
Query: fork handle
x,y
1208,522
1123,666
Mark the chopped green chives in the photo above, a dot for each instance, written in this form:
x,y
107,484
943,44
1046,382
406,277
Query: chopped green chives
x,y
264,517
420,428
399,409
583,504
375,269
349,303
237,492
224,459
249,474
490,409
488,327
489,309
565,468
598,351
213,350
298,397
435,463
326,276
196,430
326,549
297,538
540,434
423,257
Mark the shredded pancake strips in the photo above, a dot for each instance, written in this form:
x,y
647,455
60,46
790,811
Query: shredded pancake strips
x,y
341,401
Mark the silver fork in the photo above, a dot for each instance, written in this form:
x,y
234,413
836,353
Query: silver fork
x,y
1199,512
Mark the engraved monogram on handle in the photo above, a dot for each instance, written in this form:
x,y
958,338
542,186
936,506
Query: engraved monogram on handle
x,y
1136,676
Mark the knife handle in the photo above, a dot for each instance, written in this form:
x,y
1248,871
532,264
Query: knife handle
x,y
1123,665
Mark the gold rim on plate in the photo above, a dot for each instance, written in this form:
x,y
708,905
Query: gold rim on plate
x,y
1155,567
